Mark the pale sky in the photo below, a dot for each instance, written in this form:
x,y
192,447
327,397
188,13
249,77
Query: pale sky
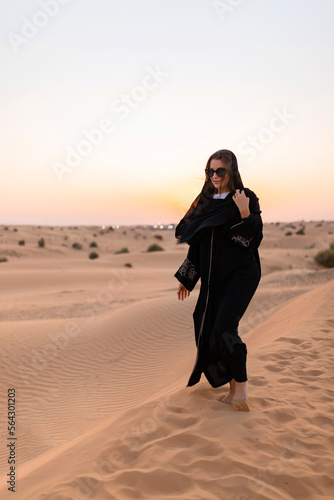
x,y
110,109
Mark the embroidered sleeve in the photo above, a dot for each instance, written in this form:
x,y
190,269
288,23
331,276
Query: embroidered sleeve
x,y
248,232
241,239
188,274
187,269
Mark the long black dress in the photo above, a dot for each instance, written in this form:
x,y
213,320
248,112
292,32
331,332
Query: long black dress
x,y
226,258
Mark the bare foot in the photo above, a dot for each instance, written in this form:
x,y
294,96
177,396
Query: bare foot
x,y
240,397
229,397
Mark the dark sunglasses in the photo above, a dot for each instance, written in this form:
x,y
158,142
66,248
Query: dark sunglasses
x,y
221,172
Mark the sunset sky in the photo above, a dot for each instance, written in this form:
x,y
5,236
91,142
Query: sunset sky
x,y
110,109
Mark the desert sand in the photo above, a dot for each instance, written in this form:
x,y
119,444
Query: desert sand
x,y
99,354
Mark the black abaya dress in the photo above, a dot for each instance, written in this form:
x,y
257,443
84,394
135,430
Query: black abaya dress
x,y
226,259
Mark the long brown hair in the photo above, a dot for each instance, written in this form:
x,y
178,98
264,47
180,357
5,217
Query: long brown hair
x,y
230,163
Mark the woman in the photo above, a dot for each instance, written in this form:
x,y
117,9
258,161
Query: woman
x,y
223,228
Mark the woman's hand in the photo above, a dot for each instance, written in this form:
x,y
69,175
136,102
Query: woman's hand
x,y
242,202
182,292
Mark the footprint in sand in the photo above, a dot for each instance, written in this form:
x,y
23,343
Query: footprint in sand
x,y
259,380
273,368
291,341
281,417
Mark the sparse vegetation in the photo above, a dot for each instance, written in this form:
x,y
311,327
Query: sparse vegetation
x,y
3,259
326,257
154,248
93,255
289,233
301,230
21,242
41,243
158,236
123,250
128,264
93,244
77,246
15,230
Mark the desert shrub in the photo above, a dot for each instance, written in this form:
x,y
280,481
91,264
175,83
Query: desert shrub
x,y
77,246
65,237
21,242
128,264
93,255
301,230
326,257
3,259
123,250
41,243
289,233
154,248
158,236
15,230
93,244
111,228
6,228
95,235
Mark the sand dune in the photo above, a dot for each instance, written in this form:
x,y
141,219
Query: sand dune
x,y
100,355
